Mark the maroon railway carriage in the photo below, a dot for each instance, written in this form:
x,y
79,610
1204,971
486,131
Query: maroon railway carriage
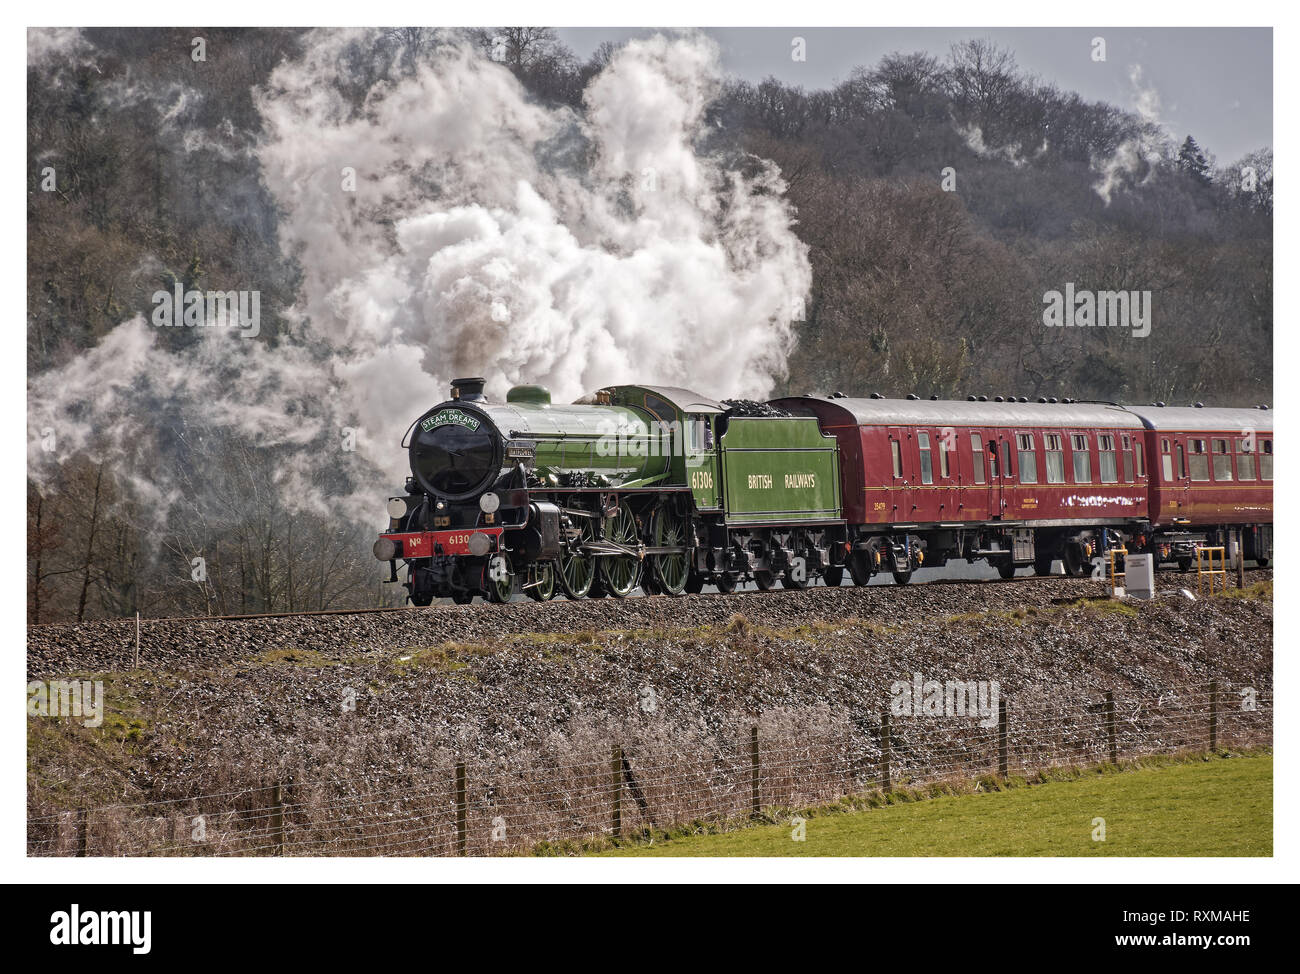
x,y
1211,476
1014,483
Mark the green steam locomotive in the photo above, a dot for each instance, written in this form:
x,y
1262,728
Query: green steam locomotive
x,y
633,486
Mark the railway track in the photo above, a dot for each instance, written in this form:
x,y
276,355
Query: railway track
x,y
743,593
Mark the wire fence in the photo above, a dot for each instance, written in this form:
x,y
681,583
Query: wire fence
x,y
485,808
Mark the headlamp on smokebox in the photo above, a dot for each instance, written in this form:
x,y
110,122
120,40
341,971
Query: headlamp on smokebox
x,y
489,503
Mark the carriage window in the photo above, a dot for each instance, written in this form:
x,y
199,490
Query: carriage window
x,y
1222,460
993,459
897,451
1082,460
927,468
1266,460
1198,462
1053,458
1166,460
944,441
1245,460
977,452
1182,463
1025,457
1126,459
1106,458
1140,455
1006,458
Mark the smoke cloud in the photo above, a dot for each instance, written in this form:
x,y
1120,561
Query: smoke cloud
x,y
1139,154
448,224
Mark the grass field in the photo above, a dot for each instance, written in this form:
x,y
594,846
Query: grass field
x,y
1206,808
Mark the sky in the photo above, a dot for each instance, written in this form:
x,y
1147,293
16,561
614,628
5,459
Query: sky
x,y
1213,83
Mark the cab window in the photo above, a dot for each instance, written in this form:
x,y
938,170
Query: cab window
x,y
700,430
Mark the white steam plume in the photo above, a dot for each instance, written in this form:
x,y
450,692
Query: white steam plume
x,y
1142,151
487,234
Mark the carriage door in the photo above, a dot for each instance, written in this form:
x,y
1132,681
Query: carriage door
x,y
901,445
976,488
1000,446
1179,504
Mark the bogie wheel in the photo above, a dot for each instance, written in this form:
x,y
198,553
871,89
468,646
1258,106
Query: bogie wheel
x,y
833,576
695,583
725,583
619,573
578,571
462,597
668,574
1006,569
860,567
1184,564
499,578
1262,562
790,580
541,582
1042,564
902,578
764,580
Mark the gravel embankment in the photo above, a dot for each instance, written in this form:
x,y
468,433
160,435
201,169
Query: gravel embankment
x,y
181,645
222,704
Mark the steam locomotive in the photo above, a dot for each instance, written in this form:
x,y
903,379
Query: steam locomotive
x,y
664,489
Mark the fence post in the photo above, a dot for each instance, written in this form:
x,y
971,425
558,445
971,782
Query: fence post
x,y
1111,746
1002,736
616,768
1214,715
83,834
1241,559
462,834
755,807
277,818
886,779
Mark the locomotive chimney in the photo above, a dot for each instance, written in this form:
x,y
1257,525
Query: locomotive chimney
x,y
471,390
